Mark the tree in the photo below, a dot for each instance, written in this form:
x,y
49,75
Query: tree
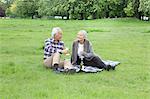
x,y
2,9
54,8
121,6
25,8
2,12
145,7
136,4
129,9
82,9
78,9
93,8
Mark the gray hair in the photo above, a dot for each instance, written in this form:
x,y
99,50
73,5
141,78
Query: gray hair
x,y
56,30
84,33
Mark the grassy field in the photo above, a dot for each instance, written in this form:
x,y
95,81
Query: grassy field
x,y
22,75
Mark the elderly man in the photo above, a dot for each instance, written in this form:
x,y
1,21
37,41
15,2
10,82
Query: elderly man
x,y
53,48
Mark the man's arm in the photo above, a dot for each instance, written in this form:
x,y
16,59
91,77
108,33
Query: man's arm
x,y
48,45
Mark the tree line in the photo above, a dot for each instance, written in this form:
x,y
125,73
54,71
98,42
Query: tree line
x,y
75,9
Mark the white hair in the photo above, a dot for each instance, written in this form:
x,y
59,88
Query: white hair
x,y
84,33
56,30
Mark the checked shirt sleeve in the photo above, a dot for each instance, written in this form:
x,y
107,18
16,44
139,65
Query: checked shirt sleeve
x,y
48,45
47,48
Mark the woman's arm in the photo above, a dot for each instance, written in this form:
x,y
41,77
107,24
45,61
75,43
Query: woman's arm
x,y
90,52
73,54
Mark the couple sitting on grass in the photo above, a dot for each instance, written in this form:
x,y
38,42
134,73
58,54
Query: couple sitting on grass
x,y
82,53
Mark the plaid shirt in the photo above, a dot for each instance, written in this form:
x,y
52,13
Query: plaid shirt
x,y
52,47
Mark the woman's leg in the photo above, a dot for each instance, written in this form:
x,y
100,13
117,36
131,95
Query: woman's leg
x,y
95,62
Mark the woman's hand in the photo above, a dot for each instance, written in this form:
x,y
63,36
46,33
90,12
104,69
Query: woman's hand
x,y
83,53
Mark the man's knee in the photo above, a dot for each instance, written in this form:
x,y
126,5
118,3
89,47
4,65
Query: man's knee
x,y
56,58
47,64
56,55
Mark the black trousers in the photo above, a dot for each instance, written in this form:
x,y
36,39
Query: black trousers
x,y
95,62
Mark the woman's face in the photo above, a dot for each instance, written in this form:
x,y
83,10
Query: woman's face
x,y
80,36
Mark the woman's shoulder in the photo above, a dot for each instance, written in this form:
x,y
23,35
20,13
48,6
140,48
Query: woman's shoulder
x,y
75,41
87,41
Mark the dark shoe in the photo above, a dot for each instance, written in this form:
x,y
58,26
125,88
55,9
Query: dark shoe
x,y
113,67
55,67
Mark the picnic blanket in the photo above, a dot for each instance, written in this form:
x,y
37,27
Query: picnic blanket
x,y
91,69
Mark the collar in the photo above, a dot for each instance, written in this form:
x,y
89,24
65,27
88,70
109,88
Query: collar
x,y
53,40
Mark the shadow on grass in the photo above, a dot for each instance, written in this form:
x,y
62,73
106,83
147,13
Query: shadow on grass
x,y
148,31
97,30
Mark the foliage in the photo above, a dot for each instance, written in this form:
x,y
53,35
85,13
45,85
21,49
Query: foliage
x,y
78,9
145,7
129,10
23,8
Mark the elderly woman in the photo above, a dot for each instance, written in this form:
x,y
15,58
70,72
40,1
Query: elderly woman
x,y
82,51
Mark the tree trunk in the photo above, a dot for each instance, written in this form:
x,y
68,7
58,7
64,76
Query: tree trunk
x,y
94,15
2,12
67,16
81,16
32,16
136,4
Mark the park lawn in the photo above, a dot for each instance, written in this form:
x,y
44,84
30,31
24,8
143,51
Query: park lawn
x,y
22,75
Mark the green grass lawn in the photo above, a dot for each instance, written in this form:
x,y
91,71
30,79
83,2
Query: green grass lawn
x,y
22,75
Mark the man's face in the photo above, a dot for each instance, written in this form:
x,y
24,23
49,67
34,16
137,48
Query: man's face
x,y
58,36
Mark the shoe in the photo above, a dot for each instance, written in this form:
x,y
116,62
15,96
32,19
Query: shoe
x,y
57,71
113,67
70,71
55,67
107,67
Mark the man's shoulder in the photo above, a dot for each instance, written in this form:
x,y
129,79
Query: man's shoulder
x,y
48,40
88,42
61,42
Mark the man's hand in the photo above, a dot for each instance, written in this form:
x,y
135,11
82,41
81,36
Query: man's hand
x,y
65,51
